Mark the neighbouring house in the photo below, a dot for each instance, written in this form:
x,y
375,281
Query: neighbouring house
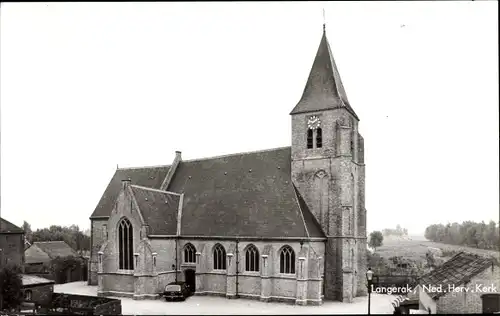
x,y
285,224
11,244
40,257
460,285
37,290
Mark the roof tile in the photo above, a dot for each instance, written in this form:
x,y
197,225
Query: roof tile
x,y
245,194
158,208
458,270
260,203
56,248
324,88
151,177
30,280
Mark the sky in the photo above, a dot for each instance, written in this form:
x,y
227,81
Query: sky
x,y
89,86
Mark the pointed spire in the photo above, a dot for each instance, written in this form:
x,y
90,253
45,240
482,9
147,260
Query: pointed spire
x,y
324,89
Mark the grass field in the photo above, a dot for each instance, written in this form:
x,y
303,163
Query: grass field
x,y
416,248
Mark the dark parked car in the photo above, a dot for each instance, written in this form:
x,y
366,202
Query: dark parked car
x,y
176,291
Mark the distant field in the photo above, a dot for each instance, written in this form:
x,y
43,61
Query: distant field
x,y
416,248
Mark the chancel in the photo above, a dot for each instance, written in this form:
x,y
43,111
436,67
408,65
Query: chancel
x,y
283,224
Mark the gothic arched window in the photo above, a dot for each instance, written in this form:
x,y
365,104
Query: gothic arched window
x,y
189,253
125,245
287,260
319,138
309,138
252,258
219,257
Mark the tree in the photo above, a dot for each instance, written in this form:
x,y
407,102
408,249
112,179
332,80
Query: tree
x,y
60,266
376,239
72,235
10,287
399,230
28,234
472,234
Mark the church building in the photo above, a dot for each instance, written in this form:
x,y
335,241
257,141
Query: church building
x,y
283,224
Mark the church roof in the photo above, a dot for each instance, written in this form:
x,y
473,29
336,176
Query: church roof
x,y
324,89
159,209
151,177
245,194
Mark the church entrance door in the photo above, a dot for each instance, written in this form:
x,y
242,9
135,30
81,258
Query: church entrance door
x,y
190,277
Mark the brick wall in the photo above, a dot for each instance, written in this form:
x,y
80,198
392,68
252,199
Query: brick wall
x,y
98,235
470,302
342,214
249,284
166,254
114,282
40,294
282,286
12,246
215,282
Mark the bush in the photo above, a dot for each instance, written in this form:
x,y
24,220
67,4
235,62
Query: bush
x,y
61,266
11,285
376,240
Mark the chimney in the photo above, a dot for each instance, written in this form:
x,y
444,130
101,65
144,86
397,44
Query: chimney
x,y
178,155
125,183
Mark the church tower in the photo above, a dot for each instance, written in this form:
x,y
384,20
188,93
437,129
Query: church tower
x,y
329,172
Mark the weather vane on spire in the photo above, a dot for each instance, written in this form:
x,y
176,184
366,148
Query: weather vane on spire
x,y
324,19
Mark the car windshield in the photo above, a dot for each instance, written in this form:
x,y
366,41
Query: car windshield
x,y
173,288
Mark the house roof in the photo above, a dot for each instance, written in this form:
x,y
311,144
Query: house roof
x,y
55,248
151,177
31,280
33,254
460,269
324,88
8,227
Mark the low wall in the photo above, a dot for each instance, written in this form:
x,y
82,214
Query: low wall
x,y
94,304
